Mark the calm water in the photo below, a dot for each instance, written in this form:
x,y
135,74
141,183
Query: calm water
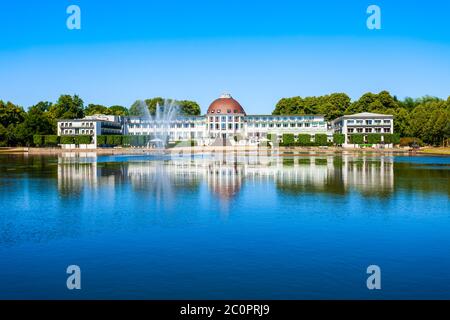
x,y
224,226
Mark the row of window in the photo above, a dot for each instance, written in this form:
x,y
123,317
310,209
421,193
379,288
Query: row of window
x,y
224,126
224,118
83,124
288,125
73,131
368,122
369,130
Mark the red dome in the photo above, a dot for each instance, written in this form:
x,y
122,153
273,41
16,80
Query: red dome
x,y
225,105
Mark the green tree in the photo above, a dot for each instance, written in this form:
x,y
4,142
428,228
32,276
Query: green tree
x,y
118,111
10,114
67,107
96,109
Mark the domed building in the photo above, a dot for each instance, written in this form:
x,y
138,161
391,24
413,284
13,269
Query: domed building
x,y
225,124
225,118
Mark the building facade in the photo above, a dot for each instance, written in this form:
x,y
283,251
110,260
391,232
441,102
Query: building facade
x,y
225,123
363,123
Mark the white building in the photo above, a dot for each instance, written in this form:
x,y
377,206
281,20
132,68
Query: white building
x,y
363,123
226,123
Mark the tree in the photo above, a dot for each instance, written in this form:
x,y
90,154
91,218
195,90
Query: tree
x,y
185,107
96,109
189,108
10,114
118,111
402,122
67,107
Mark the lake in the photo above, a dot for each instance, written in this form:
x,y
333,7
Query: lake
x,y
224,226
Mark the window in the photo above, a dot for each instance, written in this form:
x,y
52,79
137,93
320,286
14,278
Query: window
x,y
368,130
387,121
218,111
387,130
369,122
351,130
229,111
360,130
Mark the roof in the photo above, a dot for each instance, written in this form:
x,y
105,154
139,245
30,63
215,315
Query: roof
x,y
225,105
364,115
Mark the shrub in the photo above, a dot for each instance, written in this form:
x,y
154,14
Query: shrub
x,y
357,139
374,138
321,139
288,139
110,140
51,140
82,139
67,140
304,140
338,139
101,140
408,142
117,140
126,140
38,140
390,138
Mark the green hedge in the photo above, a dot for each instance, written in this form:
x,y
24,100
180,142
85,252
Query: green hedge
x,y
38,140
357,139
101,140
390,138
84,139
304,140
67,140
321,139
374,138
51,141
288,140
338,139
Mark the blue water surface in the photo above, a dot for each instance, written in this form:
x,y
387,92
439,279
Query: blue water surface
x,y
224,227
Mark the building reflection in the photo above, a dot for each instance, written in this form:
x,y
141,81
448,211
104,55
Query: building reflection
x,y
225,175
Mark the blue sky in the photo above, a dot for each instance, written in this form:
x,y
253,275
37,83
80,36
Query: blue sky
x,y
259,51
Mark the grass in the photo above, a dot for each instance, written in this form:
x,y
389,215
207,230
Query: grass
x,y
439,150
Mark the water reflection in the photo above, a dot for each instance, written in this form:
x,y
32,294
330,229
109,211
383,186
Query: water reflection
x,y
225,176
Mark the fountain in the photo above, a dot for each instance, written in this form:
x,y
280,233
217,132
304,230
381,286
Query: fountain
x,y
161,120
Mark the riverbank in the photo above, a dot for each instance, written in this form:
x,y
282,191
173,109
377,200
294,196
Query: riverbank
x,y
443,151
281,151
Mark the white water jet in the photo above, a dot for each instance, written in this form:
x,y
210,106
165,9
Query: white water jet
x,y
159,122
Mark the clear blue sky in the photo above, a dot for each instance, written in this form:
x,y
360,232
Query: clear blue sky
x,y
259,51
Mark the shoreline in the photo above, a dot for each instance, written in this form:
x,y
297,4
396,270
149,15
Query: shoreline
x,y
281,151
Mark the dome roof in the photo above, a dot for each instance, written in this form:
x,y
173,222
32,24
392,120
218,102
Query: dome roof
x,y
225,105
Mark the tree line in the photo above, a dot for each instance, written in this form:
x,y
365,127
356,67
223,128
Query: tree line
x,y
19,126
426,118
